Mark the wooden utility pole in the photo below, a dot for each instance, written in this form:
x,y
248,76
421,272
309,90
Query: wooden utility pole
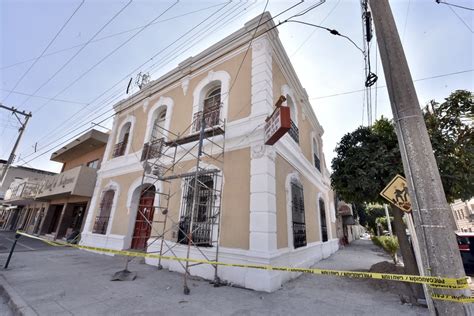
x,y
439,250
20,134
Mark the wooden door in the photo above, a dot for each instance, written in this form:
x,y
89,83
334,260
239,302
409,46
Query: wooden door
x,y
144,219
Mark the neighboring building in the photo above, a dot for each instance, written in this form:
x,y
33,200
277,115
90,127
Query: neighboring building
x,y
18,172
57,205
463,213
277,204
69,192
19,203
348,228
23,182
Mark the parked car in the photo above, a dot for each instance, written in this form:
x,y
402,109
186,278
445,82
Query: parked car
x,y
466,247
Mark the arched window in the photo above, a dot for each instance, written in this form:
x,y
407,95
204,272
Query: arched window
x,y
293,132
297,214
153,148
158,125
322,214
317,161
102,220
121,145
211,107
203,213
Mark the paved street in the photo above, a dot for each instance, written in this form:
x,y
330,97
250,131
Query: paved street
x,y
67,281
23,244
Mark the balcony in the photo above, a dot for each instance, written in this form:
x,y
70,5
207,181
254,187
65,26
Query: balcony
x,y
152,149
77,181
119,149
294,132
211,117
317,162
100,224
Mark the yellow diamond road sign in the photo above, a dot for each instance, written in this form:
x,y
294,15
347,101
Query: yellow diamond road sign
x,y
397,193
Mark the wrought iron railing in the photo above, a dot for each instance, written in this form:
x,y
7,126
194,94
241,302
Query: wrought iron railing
x,y
202,232
119,149
211,117
299,234
317,162
294,132
100,224
152,149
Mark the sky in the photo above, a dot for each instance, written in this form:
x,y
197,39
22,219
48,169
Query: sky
x,y
90,49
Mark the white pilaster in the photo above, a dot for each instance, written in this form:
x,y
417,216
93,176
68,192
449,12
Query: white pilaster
x,y
262,87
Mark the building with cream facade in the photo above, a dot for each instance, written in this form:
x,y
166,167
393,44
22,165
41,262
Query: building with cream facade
x,y
277,207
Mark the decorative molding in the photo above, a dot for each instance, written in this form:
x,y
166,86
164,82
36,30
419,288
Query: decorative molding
x,y
185,84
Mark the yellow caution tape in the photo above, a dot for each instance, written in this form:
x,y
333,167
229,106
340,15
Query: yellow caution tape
x,y
458,299
433,281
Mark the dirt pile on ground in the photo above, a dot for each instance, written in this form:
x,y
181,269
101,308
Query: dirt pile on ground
x,y
402,289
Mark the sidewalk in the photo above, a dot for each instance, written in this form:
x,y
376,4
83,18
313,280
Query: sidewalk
x,y
74,282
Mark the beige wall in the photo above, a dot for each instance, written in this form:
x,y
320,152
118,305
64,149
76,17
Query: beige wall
x,y
239,102
97,153
304,125
283,169
235,204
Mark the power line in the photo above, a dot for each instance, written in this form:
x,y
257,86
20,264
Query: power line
x,y
332,31
42,97
314,31
108,55
454,5
461,19
44,51
79,51
384,86
126,108
130,73
107,37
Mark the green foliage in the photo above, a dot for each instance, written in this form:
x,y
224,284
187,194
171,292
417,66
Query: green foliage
x,y
372,212
452,139
368,158
383,221
389,244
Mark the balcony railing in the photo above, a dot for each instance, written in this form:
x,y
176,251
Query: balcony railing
x,y
299,234
100,224
119,149
294,132
211,117
152,149
317,162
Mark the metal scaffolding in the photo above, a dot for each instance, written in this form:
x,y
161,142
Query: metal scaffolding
x,y
199,223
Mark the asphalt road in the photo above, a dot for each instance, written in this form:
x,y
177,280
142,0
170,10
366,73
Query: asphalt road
x,y
24,243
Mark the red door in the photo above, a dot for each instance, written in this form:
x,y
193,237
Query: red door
x,y
144,220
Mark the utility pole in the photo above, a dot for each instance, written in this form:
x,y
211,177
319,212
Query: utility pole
x,y
20,134
388,220
439,250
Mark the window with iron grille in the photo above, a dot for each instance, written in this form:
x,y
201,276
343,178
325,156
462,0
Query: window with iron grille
x,y
203,213
102,220
317,162
297,212
324,228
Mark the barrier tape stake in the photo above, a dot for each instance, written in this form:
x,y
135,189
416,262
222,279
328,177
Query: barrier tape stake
x,y
17,236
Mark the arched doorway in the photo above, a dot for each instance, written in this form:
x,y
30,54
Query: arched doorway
x,y
144,219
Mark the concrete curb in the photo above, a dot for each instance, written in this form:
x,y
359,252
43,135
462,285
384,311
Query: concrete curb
x,y
15,301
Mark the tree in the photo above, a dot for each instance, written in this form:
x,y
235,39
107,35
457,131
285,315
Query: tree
x,y
368,158
450,126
